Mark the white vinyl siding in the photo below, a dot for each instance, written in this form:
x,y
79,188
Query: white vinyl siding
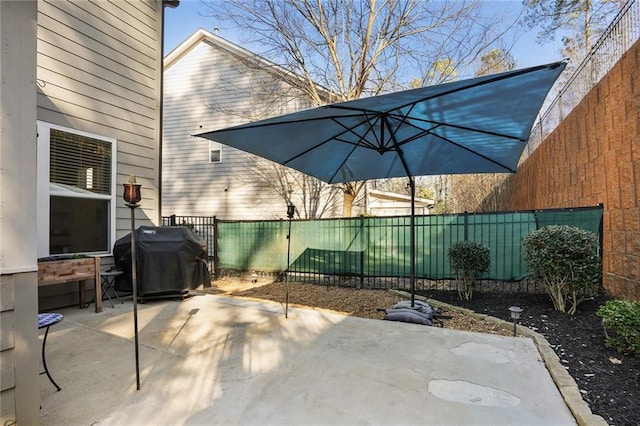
x,y
99,65
207,88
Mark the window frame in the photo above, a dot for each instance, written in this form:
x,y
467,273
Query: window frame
x,y
44,192
218,147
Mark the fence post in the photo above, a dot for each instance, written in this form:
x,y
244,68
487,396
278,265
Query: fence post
x,y
601,237
361,251
216,263
172,220
466,226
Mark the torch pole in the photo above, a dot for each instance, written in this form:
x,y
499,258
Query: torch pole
x,y
286,306
290,212
134,285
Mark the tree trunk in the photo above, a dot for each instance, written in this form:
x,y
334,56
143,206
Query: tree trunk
x,y
347,204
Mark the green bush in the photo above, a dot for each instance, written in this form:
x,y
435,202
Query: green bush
x,y
621,322
566,259
468,261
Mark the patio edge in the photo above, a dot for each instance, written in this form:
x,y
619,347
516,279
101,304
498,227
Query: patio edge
x,y
566,384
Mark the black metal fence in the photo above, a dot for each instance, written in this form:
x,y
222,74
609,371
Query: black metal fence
x,y
373,252
621,34
205,227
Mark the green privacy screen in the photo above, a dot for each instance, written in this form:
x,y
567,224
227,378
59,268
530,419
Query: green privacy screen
x,y
380,246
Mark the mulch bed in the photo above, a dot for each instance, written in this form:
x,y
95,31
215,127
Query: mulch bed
x,y
609,381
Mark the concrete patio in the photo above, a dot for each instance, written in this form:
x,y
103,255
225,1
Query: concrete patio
x,y
219,360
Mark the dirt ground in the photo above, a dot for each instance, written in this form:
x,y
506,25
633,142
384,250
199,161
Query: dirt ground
x,y
362,303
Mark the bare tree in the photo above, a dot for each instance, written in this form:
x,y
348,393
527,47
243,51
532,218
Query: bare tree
x,y
356,48
312,197
476,192
583,20
266,86
481,192
266,92
402,186
495,61
339,50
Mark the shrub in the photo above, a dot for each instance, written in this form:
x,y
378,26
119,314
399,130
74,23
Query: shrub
x,y
566,259
621,322
468,261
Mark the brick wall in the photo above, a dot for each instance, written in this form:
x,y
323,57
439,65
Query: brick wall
x,y
594,157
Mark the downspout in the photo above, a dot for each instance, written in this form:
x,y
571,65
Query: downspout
x,y
172,4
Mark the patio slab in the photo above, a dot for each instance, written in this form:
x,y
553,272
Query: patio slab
x,y
219,360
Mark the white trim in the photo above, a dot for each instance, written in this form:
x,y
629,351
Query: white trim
x,y
42,189
18,270
219,148
394,196
203,35
44,193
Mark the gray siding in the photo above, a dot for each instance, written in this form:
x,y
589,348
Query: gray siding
x,y
207,88
98,69
99,72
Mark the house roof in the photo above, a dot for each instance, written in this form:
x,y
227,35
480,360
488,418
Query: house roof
x,y
393,196
202,35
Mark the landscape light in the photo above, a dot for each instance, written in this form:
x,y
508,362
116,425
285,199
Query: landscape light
x,y
515,315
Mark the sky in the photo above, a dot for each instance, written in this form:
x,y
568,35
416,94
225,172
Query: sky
x,y
184,20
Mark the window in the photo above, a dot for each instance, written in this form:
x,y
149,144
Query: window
x,y
215,151
76,181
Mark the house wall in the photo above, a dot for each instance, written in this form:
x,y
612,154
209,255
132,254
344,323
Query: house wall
x,y
594,157
211,87
99,71
96,67
19,349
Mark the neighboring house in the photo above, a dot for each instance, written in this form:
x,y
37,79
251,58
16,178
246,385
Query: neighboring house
x,y
84,78
382,203
211,83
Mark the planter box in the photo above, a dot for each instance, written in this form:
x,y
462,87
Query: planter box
x,y
73,270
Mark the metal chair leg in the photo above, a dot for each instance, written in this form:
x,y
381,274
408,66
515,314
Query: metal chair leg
x,y
44,360
106,292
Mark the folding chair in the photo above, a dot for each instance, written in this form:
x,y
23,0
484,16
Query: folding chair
x,y
108,284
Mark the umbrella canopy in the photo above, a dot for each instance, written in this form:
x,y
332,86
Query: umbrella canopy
x,y
480,125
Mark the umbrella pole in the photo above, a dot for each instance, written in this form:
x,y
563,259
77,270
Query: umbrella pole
x,y
286,306
412,223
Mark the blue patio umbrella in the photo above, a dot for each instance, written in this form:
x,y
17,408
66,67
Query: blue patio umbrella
x,y
479,125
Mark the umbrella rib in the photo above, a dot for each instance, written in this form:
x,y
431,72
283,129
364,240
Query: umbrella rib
x,y
508,169
347,129
455,126
259,124
395,142
361,141
499,77
370,119
346,157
